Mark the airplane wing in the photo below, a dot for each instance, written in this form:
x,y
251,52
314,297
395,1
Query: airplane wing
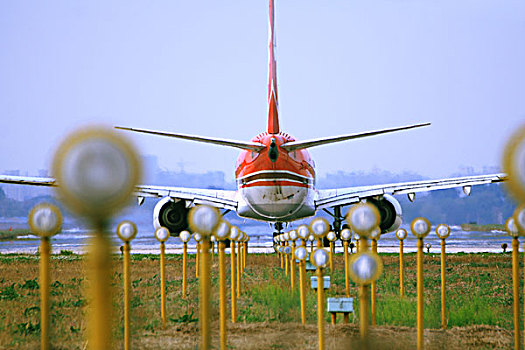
x,y
223,199
351,195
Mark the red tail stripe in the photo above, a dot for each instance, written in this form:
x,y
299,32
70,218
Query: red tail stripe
x,y
273,102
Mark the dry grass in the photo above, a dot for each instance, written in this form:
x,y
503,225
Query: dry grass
x,y
268,314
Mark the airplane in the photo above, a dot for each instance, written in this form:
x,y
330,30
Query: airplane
x,y
275,176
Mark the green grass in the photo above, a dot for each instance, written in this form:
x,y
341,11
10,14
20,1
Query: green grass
x,y
12,234
479,292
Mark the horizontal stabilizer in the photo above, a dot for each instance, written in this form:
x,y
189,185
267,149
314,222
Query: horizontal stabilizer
x,y
295,145
250,146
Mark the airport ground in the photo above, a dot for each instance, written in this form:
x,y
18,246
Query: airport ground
x,y
479,305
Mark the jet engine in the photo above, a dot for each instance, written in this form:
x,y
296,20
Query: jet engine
x,y
172,214
390,212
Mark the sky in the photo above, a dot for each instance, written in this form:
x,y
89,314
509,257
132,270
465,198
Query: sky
x,y
200,67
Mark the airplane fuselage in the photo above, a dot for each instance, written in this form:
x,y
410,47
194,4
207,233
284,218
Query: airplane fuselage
x,y
274,185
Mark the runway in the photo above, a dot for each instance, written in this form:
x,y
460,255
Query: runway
x,y
76,241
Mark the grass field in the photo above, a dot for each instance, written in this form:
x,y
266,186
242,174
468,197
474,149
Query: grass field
x,y
479,304
13,233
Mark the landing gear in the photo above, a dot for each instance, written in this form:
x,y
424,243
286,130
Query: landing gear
x,y
336,226
338,219
278,226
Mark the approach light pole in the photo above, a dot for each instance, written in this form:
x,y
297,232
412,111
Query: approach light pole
x,y
303,231
519,220
443,231
126,231
319,258
222,234
293,237
420,228
300,253
234,234
346,236
311,239
513,165
357,240
286,238
45,220
331,236
205,220
162,234
365,268
319,227
401,234
374,236
98,171
512,229
363,218
184,236
198,238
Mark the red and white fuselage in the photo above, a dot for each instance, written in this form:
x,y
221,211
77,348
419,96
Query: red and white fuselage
x,y
273,184
279,190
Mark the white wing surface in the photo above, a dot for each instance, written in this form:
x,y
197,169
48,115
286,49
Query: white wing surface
x,y
217,198
350,195
224,199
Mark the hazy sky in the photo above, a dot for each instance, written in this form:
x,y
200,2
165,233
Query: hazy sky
x,y
200,67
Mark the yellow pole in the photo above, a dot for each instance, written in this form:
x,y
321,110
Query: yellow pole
x,y
363,302
286,261
233,277
243,256
401,271
443,287
302,281
204,298
363,314
515,291
127,295
292,266
374,289
222,295
163,284
319,243
239,266
100,314
331,257
184,269
282,257
320,307
357,246
420,326
311,246
197,259
240,247
245,253
347,280
45,250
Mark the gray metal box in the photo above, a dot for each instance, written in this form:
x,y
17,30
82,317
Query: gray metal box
x,y
340,305
326,282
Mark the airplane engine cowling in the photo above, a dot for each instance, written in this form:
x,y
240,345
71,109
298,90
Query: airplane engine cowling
x,y
390,211
171,214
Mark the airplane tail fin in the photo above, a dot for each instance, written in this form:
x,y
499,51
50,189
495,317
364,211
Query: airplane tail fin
x,y
273,102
